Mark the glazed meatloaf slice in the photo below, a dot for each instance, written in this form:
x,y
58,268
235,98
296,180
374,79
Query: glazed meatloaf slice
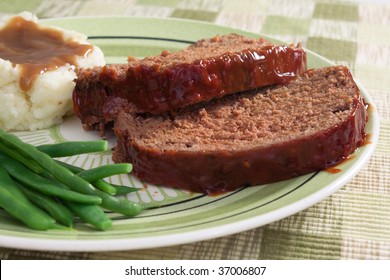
x,y
208,69
247,139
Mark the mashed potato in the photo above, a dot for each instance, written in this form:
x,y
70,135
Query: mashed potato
x,y
50,97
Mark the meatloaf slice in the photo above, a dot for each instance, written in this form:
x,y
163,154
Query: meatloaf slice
x,y
207,69
247,139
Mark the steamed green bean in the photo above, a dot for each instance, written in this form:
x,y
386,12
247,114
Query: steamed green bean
x,y
72,148
23,209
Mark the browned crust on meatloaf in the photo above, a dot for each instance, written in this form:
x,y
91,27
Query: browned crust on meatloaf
x,y
208,69
307,125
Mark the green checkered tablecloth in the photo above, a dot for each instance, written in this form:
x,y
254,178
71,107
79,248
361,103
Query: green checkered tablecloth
x,y
353,223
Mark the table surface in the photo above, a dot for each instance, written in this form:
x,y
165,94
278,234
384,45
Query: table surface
x,y
353,223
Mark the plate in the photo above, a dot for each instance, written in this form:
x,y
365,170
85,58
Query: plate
x,y
175,217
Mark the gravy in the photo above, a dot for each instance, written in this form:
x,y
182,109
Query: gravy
x,y
37,49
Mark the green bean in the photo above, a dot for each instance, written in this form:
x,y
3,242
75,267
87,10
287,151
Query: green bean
x,y
72,168
100,183
79,147
56,210
35,181
91,214
16,155
121,206
123,190
63,175
104,186
104,171
118,205
73,148
9,184
73,181
22,209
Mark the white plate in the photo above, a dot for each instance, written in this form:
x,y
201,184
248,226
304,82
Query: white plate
x,y
178,217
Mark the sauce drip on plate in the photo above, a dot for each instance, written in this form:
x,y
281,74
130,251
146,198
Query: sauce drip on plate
x,y
36,49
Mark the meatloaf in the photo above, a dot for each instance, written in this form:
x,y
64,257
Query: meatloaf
x,y
250,138
208,69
